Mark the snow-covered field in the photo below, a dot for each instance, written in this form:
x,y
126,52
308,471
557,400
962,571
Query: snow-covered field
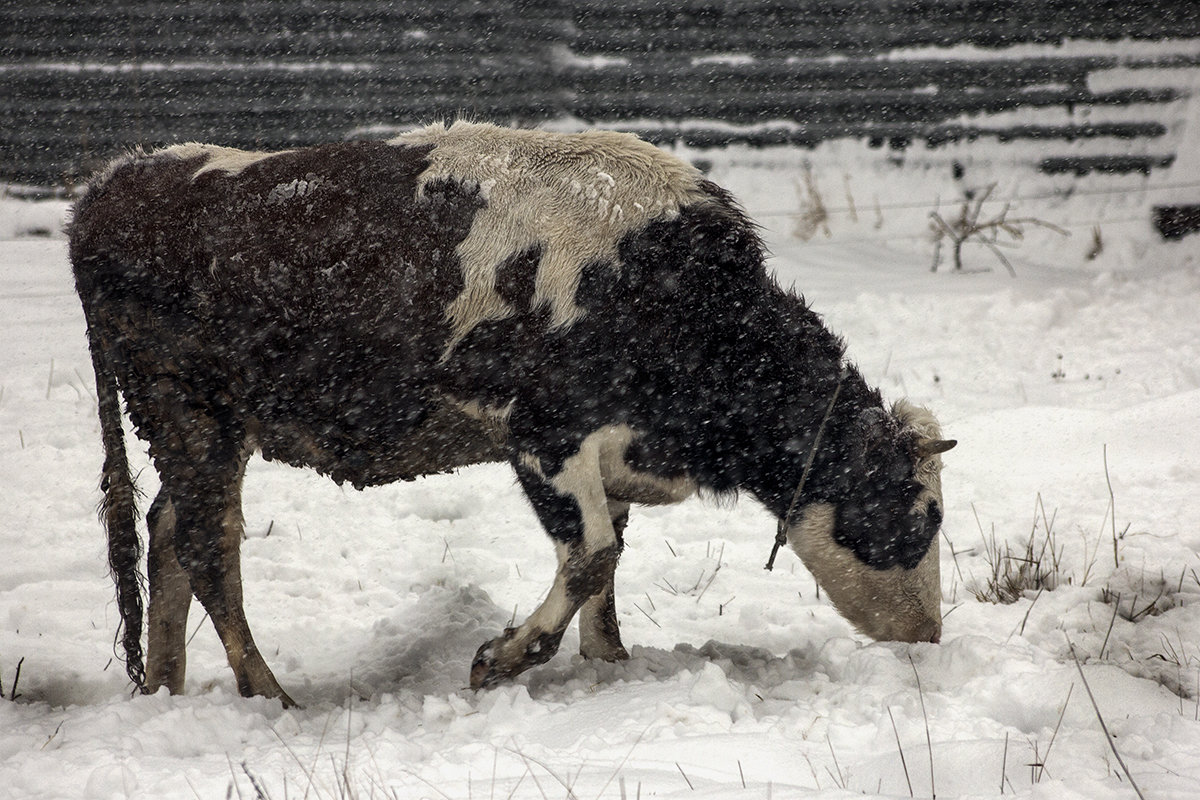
x,y
1073,389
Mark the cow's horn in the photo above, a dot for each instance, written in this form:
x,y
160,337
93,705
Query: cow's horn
x,y
931,447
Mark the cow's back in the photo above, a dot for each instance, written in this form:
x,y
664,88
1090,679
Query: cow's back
x,y
372,309
323,236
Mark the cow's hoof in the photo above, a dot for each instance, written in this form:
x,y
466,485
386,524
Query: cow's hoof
x,y
490,665
483,668
509,655
605,652
274,692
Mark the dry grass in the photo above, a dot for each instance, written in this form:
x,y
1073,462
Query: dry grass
x,y
813,217
1139,596
1135,597
1036,566
1100,718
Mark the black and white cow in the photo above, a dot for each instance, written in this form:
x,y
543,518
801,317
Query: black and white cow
x,y
584,306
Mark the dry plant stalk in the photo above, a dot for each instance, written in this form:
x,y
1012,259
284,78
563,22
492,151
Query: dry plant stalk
x,y
969,227
813,217
928,736
1112,510
903,761
1097,245
1100,718
13,694
850,199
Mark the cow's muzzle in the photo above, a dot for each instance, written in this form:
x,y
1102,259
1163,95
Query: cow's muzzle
x,y
895,604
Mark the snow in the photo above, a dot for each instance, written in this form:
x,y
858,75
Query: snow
x,y
1131,50
1072,376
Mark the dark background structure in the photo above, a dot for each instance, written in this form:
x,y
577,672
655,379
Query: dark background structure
x,y
81,82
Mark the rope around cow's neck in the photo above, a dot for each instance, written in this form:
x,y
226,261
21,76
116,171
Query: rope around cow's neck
x,y
786,522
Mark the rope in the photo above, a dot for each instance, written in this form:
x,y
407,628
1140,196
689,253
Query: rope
x,y
786,522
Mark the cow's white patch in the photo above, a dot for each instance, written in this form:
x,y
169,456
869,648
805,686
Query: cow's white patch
x,y
599,472
582,479
894,604
223,159
556,610
573,195
532,463
625,484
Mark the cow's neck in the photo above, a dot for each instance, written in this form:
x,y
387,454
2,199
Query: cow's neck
x,y
785,386
778,466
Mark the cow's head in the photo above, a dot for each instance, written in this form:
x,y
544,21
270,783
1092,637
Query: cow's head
x,y
875,550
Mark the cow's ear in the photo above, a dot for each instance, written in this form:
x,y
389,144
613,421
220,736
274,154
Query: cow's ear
x,y
874,425
926,448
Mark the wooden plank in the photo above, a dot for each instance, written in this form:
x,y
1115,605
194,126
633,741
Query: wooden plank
x,y
880,106
1111,164
727,75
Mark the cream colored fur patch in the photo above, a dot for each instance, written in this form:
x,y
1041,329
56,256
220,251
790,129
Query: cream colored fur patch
x,y
495,420
599,473
573,195
894,604
623,483
223,159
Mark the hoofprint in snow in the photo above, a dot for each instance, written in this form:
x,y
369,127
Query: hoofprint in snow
x,y
1074,376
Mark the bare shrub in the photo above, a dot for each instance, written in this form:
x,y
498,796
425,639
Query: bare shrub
x,y
969,227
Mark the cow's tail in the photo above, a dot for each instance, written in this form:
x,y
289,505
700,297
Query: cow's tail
x,y
118,512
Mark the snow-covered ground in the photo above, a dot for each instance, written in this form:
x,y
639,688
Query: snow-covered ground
x,y
1076,375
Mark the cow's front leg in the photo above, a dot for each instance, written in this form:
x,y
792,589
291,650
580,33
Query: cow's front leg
x,y
572,507
599,633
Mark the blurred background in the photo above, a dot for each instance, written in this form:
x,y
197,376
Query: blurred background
x,y
1089,81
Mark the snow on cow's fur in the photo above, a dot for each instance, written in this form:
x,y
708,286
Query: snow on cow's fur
x,y
584,306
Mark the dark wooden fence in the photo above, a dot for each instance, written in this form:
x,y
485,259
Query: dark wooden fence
x,y
84,81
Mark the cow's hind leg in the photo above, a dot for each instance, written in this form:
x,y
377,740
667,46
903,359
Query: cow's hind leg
x,y
170,598
203,473
599,633
572,507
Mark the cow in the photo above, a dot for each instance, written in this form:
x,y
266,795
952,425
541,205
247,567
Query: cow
x,y
585,307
